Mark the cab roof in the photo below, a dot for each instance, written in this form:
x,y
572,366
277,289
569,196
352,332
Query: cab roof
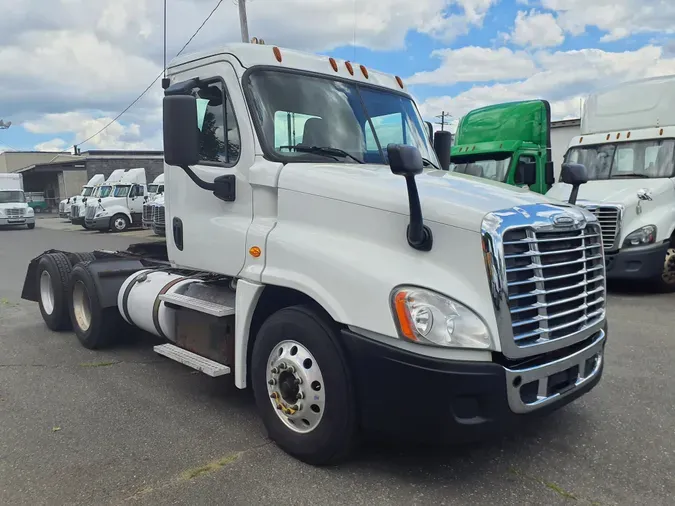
x,y
251,55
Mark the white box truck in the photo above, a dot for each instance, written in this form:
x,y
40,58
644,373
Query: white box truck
x,y
354,285
627,144
14,210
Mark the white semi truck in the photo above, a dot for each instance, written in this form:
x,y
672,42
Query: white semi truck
x,y
14,210
627,143
122,208
78,209
155,194
156,187
66,204
351,283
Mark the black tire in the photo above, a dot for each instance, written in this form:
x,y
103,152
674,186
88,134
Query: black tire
x,y
83,257
335,436
30,226
665,282
105,324
119,223
58,267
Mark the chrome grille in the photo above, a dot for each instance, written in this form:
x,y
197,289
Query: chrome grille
x,y
74,211
147,212
555,282
609,219
62,207
15,213
90,212
159,215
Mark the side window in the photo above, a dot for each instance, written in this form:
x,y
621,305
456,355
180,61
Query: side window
x,y
389,130
219,140
289,128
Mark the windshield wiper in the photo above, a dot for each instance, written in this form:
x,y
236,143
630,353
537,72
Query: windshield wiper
x,y
323,150
428,162
642,176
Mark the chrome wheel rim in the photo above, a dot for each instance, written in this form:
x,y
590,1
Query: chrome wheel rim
x,y
295,386
120,224
81,306
47,292
668,274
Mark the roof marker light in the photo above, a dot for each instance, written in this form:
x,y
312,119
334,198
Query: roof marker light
x,y
349,67
333,64
277,54
364,71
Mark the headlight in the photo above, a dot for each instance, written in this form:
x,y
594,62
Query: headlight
x,y
641,237
426,317
29,210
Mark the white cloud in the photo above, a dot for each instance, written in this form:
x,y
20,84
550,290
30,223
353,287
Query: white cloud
x,y
562,77
473,64
56,144
536,29
617,18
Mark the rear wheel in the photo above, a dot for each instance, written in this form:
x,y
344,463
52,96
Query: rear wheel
x,y
53,273
96,327
302,386
119,223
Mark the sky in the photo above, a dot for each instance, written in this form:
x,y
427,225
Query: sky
x,y
68,67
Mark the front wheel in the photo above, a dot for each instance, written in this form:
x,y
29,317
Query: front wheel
x,y
303,387
30,226
119,223
666,282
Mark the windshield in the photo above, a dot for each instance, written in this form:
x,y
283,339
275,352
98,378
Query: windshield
x,y
494,168
307,111
152,188
86,191
121,191
102,191
626,160
11,196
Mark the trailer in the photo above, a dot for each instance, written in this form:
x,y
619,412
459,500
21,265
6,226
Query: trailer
x,y
345,278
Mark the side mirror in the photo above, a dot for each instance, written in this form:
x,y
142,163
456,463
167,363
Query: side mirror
x,y
443,147
406,161
181,132
526,172
574,174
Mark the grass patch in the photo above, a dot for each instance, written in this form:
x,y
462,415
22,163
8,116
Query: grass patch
x,y
550,485
191,474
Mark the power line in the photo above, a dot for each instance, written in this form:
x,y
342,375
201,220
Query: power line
x,y
156,78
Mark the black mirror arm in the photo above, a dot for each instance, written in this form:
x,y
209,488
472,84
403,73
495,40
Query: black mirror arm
x,y
418,234
204,185
573,194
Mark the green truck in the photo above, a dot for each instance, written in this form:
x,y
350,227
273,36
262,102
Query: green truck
x,y
512,143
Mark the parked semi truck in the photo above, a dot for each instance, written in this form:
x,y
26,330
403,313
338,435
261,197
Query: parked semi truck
x,y
78,209
66,204
154,215
122,208
156,187
514,143
351,284
14,210
627,143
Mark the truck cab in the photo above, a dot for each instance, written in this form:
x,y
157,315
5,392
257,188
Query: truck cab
x,y
155,188
122,208
627,145
79,206
509,143
14,210
317,253
87,190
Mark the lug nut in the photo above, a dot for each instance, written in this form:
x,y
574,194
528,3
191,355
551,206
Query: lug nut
x,y
273,395
298,381
279,406
295,407
275,370
301,395
282,366
291,369
272,382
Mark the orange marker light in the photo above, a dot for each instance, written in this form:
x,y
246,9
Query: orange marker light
x,y
277,53
618,135
364,71
349,67
399,81
581,139
333,64
628,135
403,316
255,251
661,132
607,137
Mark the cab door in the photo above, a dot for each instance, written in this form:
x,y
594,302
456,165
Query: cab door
x,y
203,231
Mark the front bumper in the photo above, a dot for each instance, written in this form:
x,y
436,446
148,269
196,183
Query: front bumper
x,y
640,263
98,223
402,394
15,222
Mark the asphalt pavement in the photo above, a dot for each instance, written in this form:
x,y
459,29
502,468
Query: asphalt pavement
x,y
126,426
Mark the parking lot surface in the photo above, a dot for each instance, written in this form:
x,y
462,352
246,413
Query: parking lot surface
x,y
126,426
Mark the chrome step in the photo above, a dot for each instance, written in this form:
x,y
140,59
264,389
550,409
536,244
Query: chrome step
x,y
185,357
202,306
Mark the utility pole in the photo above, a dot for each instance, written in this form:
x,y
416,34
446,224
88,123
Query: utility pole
x,y
243,20
443,115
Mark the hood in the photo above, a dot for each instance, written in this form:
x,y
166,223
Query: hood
x,y
14,205
612,191
452,199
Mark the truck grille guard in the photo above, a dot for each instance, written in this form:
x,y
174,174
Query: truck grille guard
x,y
546,269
